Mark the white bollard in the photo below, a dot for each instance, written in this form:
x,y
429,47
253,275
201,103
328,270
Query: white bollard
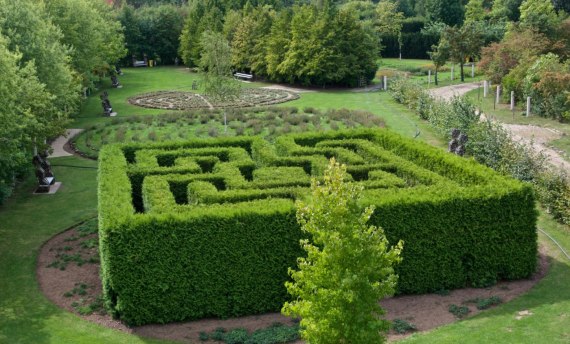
x,y
452,72
527,106
512,100
385,83
485,88
498,94
429,77
473,70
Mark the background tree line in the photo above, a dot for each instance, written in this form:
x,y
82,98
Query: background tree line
x,y
48,54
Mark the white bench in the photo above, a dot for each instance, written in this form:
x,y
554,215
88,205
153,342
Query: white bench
x,y
139,64
243,76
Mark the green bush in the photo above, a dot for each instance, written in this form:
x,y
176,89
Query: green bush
x,y
207,227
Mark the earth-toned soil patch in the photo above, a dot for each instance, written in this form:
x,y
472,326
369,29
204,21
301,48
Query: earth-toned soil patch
x,y
74,284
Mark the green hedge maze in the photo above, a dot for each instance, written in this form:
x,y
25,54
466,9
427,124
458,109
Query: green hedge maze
x,y
207,227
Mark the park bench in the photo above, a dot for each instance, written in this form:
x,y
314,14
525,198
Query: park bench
x,y
243,76
140,63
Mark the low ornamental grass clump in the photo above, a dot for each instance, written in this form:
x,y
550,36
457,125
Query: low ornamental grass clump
x,y
207,227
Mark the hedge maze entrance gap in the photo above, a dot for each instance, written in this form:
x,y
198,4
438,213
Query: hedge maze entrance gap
x,y
207,227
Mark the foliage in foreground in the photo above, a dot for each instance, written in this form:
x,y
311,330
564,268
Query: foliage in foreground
x,y
348,268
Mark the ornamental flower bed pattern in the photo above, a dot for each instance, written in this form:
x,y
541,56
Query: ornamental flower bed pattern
x,y
176,100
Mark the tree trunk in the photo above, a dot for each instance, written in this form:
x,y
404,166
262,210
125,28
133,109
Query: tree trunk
x,y
461,65
436,76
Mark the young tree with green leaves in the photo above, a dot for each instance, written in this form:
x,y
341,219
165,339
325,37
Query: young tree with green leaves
x,y
348,268
464,42
439,55
215,64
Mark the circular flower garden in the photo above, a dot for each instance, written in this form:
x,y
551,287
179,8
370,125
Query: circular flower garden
x,y
176,100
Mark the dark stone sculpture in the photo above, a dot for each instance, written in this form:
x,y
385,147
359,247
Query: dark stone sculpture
x,y
43,173
115,81
106,104
458,142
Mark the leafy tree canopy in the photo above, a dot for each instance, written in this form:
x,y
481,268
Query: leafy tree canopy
x,y
348,268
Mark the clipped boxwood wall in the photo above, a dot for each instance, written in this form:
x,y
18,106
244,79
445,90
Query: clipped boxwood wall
x,y
207,227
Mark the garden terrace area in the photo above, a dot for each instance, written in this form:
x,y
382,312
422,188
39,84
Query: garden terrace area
x,y
207,227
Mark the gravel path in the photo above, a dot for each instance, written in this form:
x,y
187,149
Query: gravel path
x,y
60,142
534,136
448,92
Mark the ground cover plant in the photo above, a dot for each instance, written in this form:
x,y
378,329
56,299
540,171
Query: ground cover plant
x,y
178,126
222,196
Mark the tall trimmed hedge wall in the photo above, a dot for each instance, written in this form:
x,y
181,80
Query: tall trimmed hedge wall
x,y
207,227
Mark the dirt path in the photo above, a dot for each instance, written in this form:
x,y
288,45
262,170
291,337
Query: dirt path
x,y
533,136
59,143
68,274
448,92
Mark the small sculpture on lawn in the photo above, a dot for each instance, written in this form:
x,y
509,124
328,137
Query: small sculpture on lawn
x,y
115,82
43,173
106,104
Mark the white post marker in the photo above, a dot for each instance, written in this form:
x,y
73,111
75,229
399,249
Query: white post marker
x,y
485,88
429,77
527,106
385,83
473,70
452,72
512,100
498,94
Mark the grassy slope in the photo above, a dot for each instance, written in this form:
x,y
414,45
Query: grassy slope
x,y
26,221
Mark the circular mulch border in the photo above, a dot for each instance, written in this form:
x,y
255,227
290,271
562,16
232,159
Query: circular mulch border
x,y
178,100
424,311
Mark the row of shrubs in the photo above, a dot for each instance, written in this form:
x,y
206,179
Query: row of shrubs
x,y
490,144
219,243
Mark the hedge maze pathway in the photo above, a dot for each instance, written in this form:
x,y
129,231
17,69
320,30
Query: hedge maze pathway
x,y
207,227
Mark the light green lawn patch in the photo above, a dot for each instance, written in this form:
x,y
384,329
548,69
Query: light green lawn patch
x,y
503,113
26,222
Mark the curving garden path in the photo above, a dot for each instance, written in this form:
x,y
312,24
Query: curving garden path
x,y
535,137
